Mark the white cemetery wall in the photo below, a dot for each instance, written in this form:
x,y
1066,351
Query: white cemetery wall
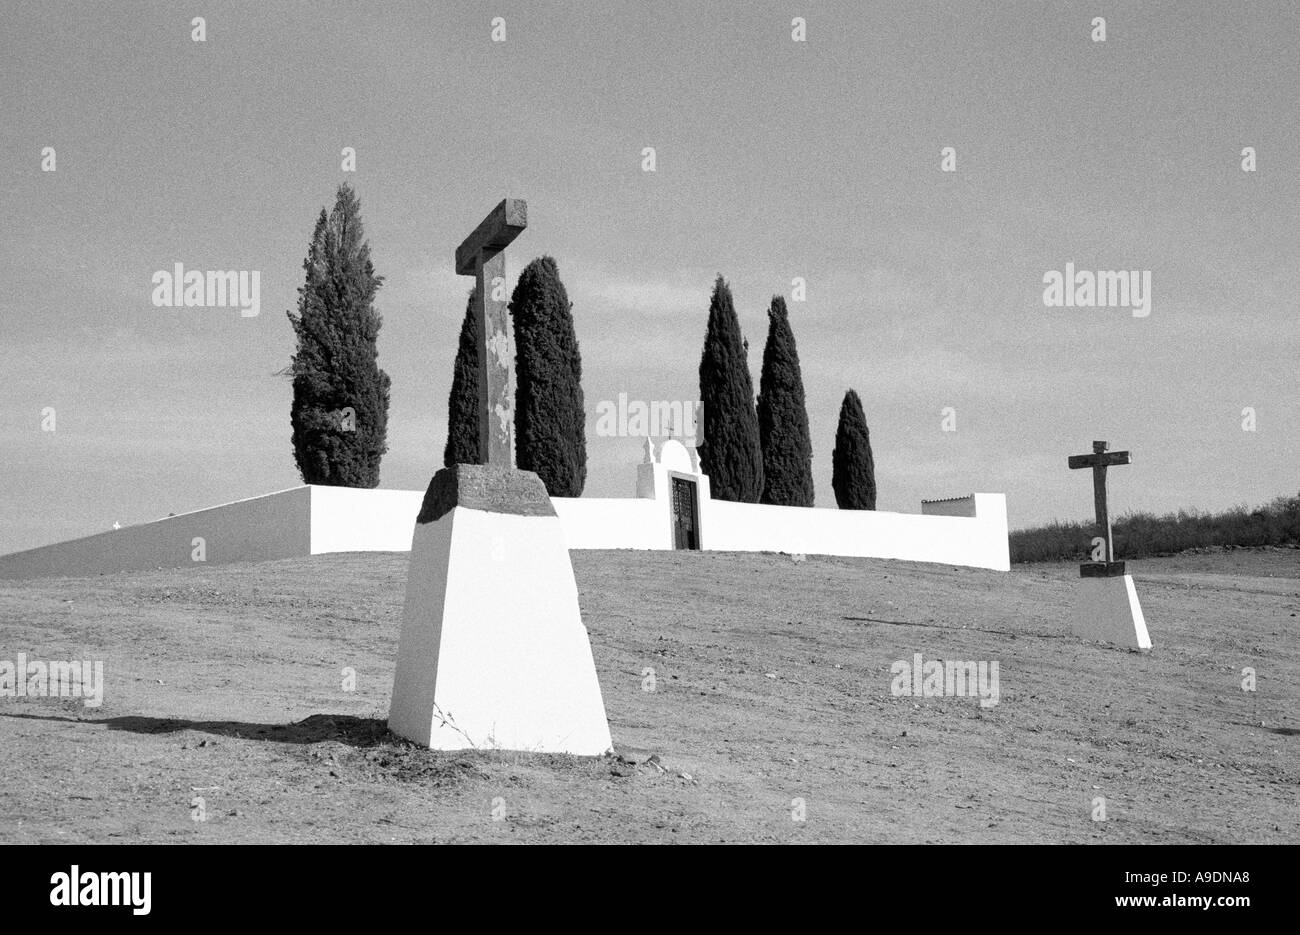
x,y
276,525
631,523
356,519
979,541
351,519
952,506
315,520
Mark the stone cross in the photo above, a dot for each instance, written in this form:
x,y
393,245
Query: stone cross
x,y
482,256
1099,460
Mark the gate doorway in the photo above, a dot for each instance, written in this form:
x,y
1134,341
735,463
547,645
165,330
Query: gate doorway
x,y
685,505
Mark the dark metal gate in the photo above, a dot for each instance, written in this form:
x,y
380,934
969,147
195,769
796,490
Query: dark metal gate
x,y
686,533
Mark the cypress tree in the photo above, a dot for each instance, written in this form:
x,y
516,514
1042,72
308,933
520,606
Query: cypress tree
x,y
783,416
853,470
340,396
550,422
463,442
730,452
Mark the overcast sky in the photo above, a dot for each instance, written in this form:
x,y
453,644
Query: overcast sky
x,y
775,159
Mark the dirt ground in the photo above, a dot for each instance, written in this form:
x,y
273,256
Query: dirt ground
x,y
772,718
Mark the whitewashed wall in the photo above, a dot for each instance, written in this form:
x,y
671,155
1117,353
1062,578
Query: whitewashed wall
x,y
276,525
315,520
598,523
979,541
350,519
347,519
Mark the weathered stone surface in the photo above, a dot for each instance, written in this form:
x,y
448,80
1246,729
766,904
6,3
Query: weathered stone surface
x,y
482,256
496,392
494,233
487,487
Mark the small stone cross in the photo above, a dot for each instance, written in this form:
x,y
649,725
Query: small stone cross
x,y
1099,460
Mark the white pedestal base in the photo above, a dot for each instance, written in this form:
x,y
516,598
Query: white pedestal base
x,y
1108,610
493,653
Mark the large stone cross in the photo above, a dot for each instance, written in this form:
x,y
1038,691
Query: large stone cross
x,y
482,256
493,653
1099,460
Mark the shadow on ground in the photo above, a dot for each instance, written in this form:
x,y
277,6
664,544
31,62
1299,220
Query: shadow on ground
x,y
344,728
383,752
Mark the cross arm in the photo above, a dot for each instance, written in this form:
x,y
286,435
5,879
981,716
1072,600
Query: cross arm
x,y
1104,459
503,224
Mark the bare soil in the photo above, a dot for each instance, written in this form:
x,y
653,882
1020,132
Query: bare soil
x,y
772,699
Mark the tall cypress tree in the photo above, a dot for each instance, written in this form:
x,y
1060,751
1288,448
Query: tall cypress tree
x,y
340,396
783,416
463,443
853,470
730,452
550,422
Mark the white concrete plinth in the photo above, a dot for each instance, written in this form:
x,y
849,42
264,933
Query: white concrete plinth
x,y
493,652
1108,610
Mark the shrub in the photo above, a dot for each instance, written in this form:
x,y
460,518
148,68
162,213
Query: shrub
x,y
464,446
730,452
853,468
339,413
783,416
1138,535
550,422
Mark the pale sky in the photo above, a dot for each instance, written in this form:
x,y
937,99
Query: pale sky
x,y
775,159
